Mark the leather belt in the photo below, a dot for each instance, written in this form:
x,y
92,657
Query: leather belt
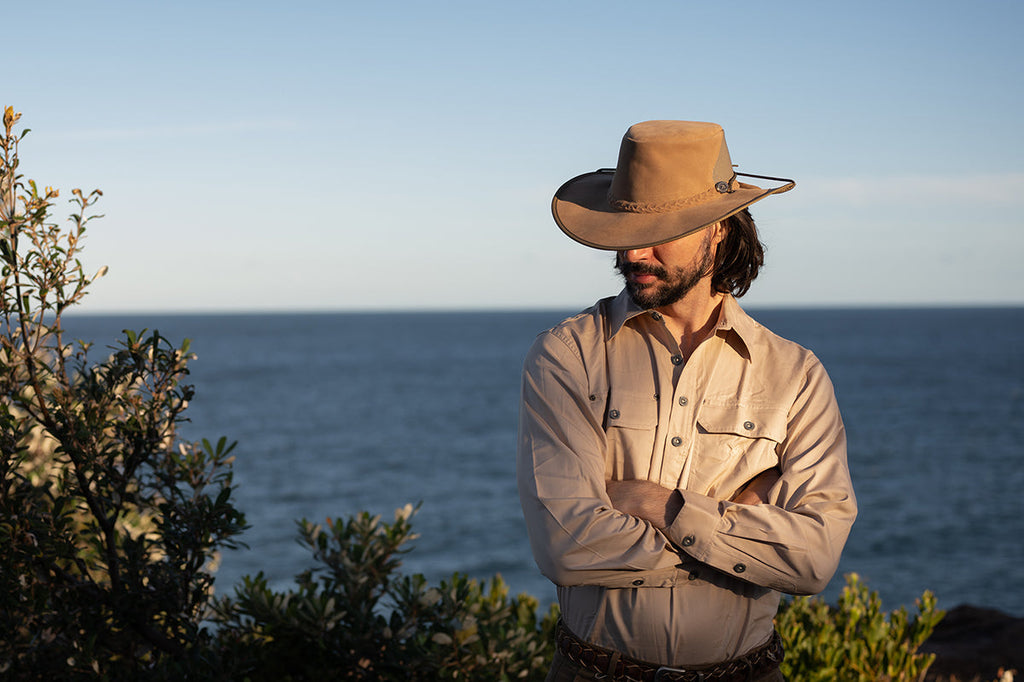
x,y
615,666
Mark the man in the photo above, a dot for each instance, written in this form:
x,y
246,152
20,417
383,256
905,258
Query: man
x,y
679,465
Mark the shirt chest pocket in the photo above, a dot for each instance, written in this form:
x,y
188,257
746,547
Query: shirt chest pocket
x,y
734,443
631,422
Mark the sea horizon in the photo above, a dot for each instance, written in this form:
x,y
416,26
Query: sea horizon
x,y
752,307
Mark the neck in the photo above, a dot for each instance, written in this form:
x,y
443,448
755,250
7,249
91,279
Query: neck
x,y
692,318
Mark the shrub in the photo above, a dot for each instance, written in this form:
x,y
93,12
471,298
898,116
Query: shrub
x,y
108,524
354,617
855,640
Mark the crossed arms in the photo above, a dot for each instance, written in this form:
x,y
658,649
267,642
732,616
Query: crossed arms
x,y
651,502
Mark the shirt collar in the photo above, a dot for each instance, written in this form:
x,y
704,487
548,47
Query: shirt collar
x,y
621,310
734,325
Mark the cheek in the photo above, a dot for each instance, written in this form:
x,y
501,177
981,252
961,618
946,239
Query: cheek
x,y
675,254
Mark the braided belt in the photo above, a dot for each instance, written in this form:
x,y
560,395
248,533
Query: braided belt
x,y
615,666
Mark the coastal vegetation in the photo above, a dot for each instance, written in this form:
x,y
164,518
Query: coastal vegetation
x,y
111,526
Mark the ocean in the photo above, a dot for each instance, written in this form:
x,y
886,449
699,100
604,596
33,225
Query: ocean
x,y
336,413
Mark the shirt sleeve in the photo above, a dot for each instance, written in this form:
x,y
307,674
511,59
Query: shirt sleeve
x,y
577,537
792,543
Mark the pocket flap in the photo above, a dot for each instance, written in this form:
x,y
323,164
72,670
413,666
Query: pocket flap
x,y
632,410
750,421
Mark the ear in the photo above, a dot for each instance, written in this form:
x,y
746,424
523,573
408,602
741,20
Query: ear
x,y
718,232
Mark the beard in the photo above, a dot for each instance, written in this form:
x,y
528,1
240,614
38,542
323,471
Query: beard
x,y
673,284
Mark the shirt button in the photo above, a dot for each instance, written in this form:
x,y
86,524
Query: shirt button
x,y
693,575
638,582
677,441
677,359
683,400
614,414
749,426
688,540
739,568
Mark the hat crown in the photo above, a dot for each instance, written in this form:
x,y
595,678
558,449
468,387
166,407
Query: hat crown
x,y
673,178
664,165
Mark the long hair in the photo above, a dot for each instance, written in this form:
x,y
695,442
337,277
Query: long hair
x,y
739,257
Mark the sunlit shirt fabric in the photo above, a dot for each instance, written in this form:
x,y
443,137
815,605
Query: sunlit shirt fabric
x,y
606,396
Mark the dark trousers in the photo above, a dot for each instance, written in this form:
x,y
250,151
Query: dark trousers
x,y
564,670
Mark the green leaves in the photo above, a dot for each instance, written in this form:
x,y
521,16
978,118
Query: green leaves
x,y
109,526
352,616
855,640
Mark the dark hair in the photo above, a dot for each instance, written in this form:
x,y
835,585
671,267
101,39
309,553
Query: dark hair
x,y
739,257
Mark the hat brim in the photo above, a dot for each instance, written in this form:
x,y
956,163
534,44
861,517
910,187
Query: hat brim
x,y
581,209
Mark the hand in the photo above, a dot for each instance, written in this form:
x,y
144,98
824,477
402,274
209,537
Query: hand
x,y
645,500
756,490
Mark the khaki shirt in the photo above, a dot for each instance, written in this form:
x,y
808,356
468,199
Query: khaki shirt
x,y
607,396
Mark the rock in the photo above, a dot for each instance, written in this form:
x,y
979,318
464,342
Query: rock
x,y
973,643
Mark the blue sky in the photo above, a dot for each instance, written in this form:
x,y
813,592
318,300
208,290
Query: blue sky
x,y
334,155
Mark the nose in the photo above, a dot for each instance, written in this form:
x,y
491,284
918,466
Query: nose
x,y
637,255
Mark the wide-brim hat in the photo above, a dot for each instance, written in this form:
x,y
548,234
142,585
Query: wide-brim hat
x,y
672,178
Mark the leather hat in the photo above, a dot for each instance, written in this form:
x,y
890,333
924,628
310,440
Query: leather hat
x,y
672,178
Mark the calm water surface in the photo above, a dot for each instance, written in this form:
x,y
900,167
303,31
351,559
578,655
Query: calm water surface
x,y
337,413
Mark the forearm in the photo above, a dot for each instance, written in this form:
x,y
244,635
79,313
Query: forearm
x,y
795,552
659,505
645,500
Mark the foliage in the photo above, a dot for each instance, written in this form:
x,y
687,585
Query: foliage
x,y
855,640
354,617
108,525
